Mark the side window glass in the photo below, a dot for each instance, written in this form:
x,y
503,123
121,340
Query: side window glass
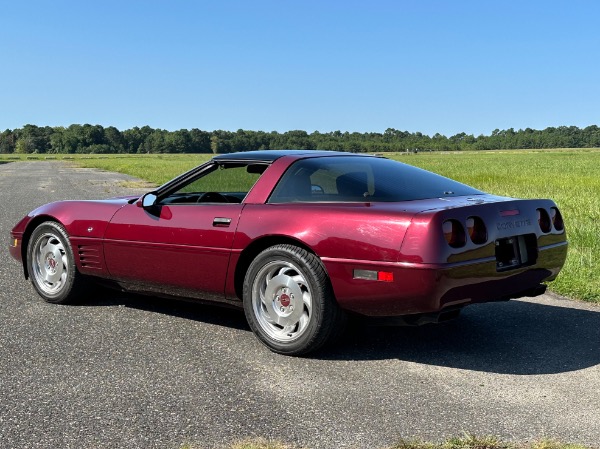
x,y
306,181
225,184
359,179
353,186
294,186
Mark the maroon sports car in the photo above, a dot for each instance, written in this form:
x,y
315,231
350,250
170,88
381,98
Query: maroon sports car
x,y
300,239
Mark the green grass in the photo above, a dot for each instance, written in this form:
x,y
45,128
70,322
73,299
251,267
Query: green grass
x,y
570,177
156,169
466,442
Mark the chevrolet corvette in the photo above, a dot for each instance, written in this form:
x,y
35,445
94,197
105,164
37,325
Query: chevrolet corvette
x,y
300,240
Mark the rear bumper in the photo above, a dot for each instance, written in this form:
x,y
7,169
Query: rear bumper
x,y
425,288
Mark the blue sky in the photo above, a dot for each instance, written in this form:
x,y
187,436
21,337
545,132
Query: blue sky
x,y
428,66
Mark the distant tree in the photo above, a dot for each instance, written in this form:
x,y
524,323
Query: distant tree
x,y
200,141
114,139
92,135
214,144
297,140
134,138
94,138
24,146
159,142
8,141
33,139
220,141
181,141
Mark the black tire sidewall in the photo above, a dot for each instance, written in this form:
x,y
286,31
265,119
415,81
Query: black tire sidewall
x,y
65,295
322,298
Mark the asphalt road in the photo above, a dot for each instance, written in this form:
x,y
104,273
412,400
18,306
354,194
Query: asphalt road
x,y
133,372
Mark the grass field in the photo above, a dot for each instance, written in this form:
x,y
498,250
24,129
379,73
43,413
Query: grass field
x,y
465,442
570,177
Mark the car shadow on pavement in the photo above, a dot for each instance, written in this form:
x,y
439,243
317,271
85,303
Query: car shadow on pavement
x,y
192,310
513,337
508,338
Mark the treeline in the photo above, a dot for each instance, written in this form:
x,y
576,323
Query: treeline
x,y
98,139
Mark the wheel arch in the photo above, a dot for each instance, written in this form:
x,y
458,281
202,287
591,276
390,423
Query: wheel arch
x,y
254,249
33,223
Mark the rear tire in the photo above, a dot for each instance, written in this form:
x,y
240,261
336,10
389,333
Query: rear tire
x,y
51,264
289,302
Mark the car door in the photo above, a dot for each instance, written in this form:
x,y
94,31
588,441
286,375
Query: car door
x,y
181,243
184,247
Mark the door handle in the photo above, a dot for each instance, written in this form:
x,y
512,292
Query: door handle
x,y
221,222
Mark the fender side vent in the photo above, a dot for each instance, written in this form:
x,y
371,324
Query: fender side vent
x,y
90,257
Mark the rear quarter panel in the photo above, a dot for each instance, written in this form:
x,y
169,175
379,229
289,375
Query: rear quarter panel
x,y
341,235
350,231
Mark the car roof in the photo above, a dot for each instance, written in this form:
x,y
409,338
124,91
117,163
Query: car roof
x,y
273,155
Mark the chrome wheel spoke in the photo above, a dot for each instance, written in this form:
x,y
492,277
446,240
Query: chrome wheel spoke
x,y
281,300
303,320
47,247
298,279
50,263
288,330
307,301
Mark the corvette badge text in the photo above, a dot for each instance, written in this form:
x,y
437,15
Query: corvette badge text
x,y
513,224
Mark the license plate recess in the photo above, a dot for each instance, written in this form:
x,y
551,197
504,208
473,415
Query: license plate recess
x,y
515,252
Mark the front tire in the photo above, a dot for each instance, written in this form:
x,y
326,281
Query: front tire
x,y
51,264
289,302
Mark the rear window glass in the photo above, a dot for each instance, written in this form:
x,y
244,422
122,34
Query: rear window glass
x,y
360,179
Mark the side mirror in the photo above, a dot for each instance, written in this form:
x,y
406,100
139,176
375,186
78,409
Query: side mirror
x,y
147,201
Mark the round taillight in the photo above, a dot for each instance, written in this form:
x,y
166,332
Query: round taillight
x,y
557,220
476,230
454,233
544,220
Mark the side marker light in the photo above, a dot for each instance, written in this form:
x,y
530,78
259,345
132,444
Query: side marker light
x,y
372,275
385,276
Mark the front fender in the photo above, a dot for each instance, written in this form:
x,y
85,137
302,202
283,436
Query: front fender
x,y
81,219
